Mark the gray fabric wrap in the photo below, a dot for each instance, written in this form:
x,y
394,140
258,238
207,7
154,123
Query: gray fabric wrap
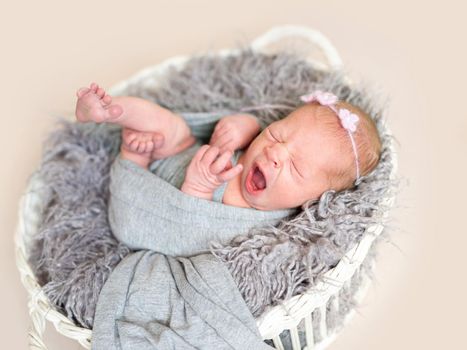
x,y
146,212
152,301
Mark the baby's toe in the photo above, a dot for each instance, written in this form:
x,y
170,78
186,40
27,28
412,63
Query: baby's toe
x,y
158,140
133,145
132,136
82,91
129,137
100,92
141,147
107,99
149,146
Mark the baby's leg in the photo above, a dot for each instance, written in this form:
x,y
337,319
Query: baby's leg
x,y
138,114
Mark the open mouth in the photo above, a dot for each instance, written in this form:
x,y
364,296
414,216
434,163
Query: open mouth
x,y
255,181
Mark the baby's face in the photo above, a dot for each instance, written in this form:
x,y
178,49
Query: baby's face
x,y
286,164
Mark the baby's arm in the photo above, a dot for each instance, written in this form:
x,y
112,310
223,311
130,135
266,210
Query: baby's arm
x,y
235,132
208,170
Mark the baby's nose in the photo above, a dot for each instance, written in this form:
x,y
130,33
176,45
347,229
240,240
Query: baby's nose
x,y
277,154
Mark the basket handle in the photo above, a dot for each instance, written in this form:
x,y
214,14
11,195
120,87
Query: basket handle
x,y
315,37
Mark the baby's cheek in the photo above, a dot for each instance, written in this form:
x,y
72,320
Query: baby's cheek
x,y
304,191
289,195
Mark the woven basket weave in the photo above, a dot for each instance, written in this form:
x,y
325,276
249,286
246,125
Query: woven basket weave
x,y
308,309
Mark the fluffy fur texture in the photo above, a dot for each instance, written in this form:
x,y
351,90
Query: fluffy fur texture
x,y
75,251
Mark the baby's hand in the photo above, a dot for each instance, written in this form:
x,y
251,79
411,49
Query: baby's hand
x,y
235,132
208,170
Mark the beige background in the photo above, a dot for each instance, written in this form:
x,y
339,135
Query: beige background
x,y
413,52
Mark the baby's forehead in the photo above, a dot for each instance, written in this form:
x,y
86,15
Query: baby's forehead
x,y
307,122
312,134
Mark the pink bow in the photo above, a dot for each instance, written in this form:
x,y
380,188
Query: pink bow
x,y
323,98
348,119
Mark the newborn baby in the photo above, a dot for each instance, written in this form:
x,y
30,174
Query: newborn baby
x,y
322,145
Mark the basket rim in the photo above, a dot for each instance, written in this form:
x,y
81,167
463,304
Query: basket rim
x,y
276,318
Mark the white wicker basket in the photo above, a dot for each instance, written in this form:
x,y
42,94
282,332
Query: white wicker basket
x,y
288,315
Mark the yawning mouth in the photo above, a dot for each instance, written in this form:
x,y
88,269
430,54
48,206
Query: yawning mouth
x,y
255,180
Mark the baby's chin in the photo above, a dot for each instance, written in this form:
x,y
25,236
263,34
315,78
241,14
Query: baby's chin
x,y
256,201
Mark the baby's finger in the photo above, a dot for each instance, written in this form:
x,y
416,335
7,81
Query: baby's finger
x,y
229,165
231,173
210,155
220,125
223,132
220,162
215,143
213,140
218,135
226,144
200,153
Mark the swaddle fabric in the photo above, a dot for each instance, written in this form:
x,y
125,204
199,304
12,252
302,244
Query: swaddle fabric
x,y
152,301
146,212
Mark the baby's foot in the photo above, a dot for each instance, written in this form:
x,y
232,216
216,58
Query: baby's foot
x,y
141,159
95,105
141,142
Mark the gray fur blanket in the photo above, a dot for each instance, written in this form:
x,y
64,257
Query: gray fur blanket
x,y
75,251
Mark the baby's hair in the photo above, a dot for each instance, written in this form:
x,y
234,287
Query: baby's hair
x,y
367,141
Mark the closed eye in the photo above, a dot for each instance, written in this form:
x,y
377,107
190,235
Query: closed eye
x,y
293,164
270,133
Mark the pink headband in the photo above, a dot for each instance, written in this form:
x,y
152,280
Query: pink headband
x,y
348,119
